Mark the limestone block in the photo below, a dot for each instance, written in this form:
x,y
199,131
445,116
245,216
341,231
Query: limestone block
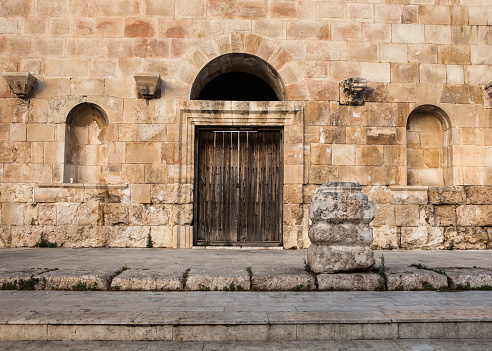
x,y
156,215
330,259
128,236
423,237
293,174
145,152
466,238
385,237
5,236
474,278
407,215
47,214
162,236
443,215
66,213
292,214
330,10
116,214
379,194
381,136
182,237
376,72
454,54
455,74
73,193
407,33
349,281
479,195
86,236
385,215
343,154
484,215
90,213
338,207
284,279
202,280
11,192
140,193
13,213
341,234
414,279
451,195
148,280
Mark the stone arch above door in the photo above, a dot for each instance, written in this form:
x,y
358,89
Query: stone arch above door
x,y
268,50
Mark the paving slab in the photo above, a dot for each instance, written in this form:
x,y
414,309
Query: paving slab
x,y
338,345
228,269
236,316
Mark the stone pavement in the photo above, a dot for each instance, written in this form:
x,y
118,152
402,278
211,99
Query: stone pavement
x,y
176,314
233,269
338,345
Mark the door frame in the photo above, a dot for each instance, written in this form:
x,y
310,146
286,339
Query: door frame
x,y
253,128
288,115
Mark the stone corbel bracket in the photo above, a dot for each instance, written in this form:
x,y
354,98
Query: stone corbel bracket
x,y
352,91
148,85
22,84
488,95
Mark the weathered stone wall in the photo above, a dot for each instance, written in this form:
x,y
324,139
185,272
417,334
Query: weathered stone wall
x,y
458,217
139,177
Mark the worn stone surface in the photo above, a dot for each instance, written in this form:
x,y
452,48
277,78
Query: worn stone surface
x,y
340,233
149,279
411,278
351,281
284,279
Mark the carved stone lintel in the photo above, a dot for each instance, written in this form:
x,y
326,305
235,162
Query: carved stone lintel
x,y
148,85
22,84
352,91
488,95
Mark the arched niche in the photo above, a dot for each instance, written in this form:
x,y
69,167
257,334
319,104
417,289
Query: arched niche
x,y
429,156
240,77
86,148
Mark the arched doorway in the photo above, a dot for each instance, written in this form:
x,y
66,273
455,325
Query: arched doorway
x,y
428,147
239,77
238,169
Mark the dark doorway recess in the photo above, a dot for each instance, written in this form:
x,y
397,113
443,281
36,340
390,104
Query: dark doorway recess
x,y
237,86
238,187
240,77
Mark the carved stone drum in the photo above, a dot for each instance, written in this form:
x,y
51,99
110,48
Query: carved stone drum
x,y
340,233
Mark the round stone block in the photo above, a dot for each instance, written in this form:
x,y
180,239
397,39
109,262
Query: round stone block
x,y
341,234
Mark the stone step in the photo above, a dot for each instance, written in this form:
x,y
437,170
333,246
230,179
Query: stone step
x,y
236,316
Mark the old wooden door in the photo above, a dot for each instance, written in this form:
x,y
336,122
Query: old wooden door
x,y
238,187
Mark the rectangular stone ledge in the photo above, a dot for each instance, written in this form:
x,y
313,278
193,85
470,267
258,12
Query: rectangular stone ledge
x,y
408,188
66,192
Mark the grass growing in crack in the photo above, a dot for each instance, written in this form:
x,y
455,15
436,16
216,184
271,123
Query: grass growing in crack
x,y
202,287
233,287
381,270
184,276
21,284
400,287
451,245
123,268
46,270
205,243
250,271
427,285
117,288
467,287
150,244
296,288
228,243
43,242
82,286
307,267
421,266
